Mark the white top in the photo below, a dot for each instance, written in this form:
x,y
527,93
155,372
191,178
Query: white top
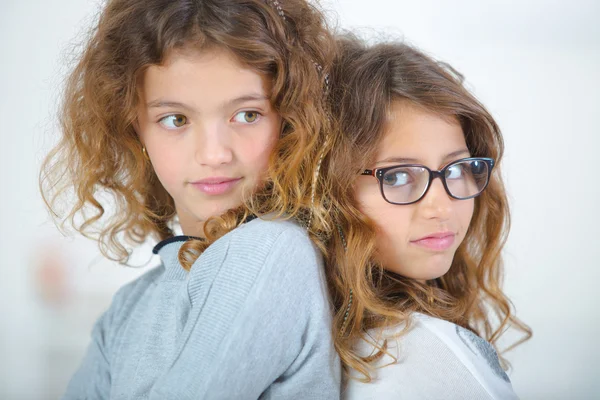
x,y
436,360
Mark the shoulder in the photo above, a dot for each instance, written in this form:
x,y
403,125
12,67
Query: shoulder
x,y
248,247
257,239
476,353
271,231
288,274
260,252
124,301
273,243
464,343
429,358
468,346
129,294
288,264
139,285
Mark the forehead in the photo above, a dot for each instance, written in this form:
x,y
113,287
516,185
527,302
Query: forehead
x,y
201,77
417,133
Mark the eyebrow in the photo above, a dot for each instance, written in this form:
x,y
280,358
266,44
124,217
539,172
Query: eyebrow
x,y
164,104
405,160
244,98
160,103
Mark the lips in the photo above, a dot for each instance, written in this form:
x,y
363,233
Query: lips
x,y
438,241
215,186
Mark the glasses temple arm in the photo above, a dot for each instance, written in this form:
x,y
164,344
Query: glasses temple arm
x,y
370,172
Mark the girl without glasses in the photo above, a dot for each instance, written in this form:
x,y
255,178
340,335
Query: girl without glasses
x,y
415,269
205,113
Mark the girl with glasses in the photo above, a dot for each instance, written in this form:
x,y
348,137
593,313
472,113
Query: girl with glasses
x,y
415,268
195,116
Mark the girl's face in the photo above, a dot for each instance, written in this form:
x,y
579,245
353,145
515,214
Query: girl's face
x,y
418,240
208,127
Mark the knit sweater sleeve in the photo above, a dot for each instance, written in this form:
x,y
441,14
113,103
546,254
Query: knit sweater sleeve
x,y
263,329
93,379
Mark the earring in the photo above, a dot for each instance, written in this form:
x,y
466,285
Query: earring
x,y
430,298
145,153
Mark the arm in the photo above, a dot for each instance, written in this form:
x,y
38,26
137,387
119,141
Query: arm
x,y
92,379
264,328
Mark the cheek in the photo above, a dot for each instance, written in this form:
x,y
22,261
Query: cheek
x,y
391,221
164,155
166,168
167,161
464,213
392,233
255,150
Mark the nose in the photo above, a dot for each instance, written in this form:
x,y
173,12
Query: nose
x,y
213,147
436,204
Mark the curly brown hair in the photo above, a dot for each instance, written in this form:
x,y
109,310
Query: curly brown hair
x,y
99,156
365,82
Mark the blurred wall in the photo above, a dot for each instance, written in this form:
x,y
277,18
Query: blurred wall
x,y
534,64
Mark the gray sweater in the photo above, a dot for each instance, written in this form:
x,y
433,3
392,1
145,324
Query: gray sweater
x,y
250,320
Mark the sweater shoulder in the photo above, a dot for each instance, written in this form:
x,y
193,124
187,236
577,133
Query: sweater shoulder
x,y
268,230
265,242
139,285
278,243
130,294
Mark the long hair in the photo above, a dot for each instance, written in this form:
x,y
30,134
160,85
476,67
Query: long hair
x,y
99,158
365,83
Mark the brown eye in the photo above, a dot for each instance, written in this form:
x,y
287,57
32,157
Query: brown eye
x,y
246,117
174,121
250,116
179,120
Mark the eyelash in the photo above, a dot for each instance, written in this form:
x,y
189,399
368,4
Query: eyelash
x,y
161,121
258,116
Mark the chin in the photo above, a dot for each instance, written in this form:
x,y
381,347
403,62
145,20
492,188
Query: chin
x,y
424,271
435,271
214,208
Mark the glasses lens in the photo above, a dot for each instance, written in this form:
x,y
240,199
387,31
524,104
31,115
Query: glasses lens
x,y
404,184
467,178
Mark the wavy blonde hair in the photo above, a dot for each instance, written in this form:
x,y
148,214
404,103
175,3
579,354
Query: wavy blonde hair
x,y
99,158
366,81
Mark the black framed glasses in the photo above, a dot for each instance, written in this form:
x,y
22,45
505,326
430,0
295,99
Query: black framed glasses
x,y
408,183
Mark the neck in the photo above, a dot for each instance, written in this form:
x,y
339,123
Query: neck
x,y
195,229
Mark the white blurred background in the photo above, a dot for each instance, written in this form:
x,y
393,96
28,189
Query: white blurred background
x,y
535,64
